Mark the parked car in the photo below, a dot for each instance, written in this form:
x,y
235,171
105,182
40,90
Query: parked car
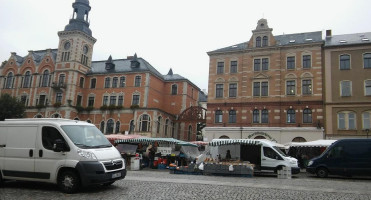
x,y
346,157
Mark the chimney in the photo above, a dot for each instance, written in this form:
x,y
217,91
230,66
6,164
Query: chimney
x,y
328,33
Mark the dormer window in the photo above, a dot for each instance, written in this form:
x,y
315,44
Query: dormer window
x,y
265,41
258,41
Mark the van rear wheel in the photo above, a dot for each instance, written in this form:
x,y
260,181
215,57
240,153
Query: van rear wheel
x,y
69,182
322,172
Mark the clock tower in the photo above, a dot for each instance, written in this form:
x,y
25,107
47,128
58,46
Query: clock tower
x,y
75,51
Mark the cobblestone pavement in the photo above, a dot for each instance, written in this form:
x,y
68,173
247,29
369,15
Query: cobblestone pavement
x,y
160,184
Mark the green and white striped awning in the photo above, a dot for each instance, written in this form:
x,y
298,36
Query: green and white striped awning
x,y
219,142
160,141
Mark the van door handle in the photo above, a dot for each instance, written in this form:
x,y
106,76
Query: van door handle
x,y
30,153
40,153
264,159
2,145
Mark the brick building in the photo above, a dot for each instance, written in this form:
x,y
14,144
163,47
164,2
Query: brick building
x,y
268,87
116,95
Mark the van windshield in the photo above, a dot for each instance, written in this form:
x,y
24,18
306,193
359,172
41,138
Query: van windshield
x,y
86,137
279,151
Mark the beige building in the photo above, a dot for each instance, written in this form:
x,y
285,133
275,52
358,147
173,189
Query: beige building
x,y
348,85
268,87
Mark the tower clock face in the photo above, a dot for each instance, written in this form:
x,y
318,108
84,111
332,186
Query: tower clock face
x,y
85,49
67,45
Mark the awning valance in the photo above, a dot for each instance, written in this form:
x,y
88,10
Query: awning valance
x,y
160,141
218,142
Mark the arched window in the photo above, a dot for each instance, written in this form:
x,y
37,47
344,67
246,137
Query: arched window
x,y
258,41
102,126
260,137
45,79
27,80
107,82
223,137
115,81
307,115
166,126
218,116
290,116
265,41
9,81
232,116
344,62
158,124
299,139
264,117
110,124
93,82
255,116
117,127
366,120
189,132
144,123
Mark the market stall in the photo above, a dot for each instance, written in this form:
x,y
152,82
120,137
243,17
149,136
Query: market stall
x,y
229,157
127,151
304,151
160,152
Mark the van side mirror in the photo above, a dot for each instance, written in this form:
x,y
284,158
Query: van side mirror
x,y
59,145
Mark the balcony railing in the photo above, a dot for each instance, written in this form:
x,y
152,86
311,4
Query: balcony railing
x,y
58,85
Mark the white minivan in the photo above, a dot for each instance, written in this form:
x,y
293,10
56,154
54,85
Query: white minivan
x,y
67,152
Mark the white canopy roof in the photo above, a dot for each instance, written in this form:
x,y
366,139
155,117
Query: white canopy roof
x,y
316,143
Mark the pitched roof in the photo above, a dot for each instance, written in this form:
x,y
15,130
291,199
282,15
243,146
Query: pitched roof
x,y
348,39
37,56
282,40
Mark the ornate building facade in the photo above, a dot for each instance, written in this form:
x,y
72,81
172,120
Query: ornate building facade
x,y
117,95
268,87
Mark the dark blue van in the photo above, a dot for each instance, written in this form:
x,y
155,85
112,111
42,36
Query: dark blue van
x,y
346,157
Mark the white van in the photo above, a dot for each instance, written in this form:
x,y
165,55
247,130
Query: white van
x,y
263,153
67,152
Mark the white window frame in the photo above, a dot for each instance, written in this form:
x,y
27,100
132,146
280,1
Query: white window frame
x,y
368,120
341,88
365,88
347,120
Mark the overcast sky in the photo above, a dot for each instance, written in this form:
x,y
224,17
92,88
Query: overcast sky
x,y
171,33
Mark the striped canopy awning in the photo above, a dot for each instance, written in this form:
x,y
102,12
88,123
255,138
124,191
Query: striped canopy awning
x,y
160,141
219,142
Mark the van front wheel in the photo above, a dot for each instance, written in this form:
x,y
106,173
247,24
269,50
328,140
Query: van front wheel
x,y
322,172
68,182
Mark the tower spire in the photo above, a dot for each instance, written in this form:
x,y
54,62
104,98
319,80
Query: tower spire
x,y
80,17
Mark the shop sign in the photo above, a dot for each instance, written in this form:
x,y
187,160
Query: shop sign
x,y
266,135
164,150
